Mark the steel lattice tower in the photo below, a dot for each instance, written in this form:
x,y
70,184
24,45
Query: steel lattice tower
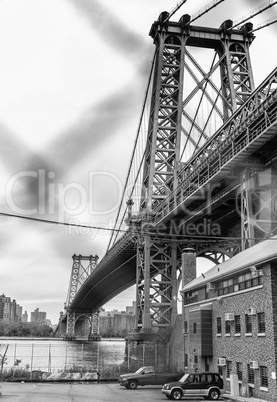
x,y
171,140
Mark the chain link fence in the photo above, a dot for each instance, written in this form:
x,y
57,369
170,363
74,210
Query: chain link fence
x,y
108,359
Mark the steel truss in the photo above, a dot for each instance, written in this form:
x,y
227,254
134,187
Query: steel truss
x,y
91,318
172,125
79,273
159,274
163,141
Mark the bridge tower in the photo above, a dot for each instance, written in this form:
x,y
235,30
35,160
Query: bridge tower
x,y
86,319
171,141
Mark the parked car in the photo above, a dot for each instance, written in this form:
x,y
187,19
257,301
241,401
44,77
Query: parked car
x,y
207,385
147,376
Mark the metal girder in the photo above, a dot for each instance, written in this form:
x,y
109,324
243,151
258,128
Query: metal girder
x,y
230,81
162,148
91,318
249,128
79,273
157,283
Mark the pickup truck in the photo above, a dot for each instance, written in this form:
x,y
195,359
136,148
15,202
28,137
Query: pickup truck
x,y
147,376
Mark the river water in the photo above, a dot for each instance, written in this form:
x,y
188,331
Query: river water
x,y
53,354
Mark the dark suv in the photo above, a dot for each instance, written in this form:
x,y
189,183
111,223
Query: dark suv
x,y
207,385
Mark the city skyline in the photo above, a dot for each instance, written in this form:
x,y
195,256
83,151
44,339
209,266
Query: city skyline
x,y
70,101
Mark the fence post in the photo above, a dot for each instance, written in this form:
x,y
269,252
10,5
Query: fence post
x,y
65,361
82,359
49,358
32,357
14,358
98,356
155,355
128,355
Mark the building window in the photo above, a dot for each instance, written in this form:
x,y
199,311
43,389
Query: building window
x,y
261,323
227,327
207,363
264,376
194,327
250,374
239,370
228,368
191,297
237,324
248,324
186,327
218,325
186,360
240,282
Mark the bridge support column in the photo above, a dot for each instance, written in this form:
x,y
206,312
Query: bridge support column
x,y
70,325
94,326
90,328
157,284
258,205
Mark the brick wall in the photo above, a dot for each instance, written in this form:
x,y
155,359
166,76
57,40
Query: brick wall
x,y
176,346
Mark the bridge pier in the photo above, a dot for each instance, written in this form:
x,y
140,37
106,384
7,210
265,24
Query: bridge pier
x,y
81,323
157,280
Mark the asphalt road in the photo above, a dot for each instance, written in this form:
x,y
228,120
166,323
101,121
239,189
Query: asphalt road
x,y
103,392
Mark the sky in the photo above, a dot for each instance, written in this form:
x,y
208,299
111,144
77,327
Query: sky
x,y
73,75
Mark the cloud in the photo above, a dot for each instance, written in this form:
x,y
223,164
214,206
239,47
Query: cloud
x,y
110,28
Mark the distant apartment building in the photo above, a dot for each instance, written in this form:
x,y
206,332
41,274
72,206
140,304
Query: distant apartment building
x,y
10,311
131,309
115,323
38,317
25,317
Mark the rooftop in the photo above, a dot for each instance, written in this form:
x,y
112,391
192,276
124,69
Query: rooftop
x,y
253,256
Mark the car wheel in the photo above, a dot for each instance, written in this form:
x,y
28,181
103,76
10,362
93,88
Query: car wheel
x,y
176,394
132,384
214,394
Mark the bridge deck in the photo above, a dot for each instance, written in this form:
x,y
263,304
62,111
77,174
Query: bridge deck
x,y
115,273
247,138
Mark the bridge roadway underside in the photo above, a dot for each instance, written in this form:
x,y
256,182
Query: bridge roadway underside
x,y
114,274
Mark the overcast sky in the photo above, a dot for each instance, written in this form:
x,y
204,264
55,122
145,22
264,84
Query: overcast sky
x,y
73,75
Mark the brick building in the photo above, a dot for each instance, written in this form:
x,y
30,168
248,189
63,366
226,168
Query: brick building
x,y
38,317
115,323
230,319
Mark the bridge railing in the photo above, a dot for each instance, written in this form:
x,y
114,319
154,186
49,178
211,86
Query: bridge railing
x,y
233,137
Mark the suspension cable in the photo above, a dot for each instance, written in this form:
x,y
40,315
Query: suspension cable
x,y
264,24
204,10
174,9
253,13
134,148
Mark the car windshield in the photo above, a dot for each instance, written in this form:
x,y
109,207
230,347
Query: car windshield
x,y
183,379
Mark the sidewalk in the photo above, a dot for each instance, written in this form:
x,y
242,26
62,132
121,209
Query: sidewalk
x,y
229,397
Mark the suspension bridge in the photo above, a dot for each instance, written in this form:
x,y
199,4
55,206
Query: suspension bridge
x,y
202,171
